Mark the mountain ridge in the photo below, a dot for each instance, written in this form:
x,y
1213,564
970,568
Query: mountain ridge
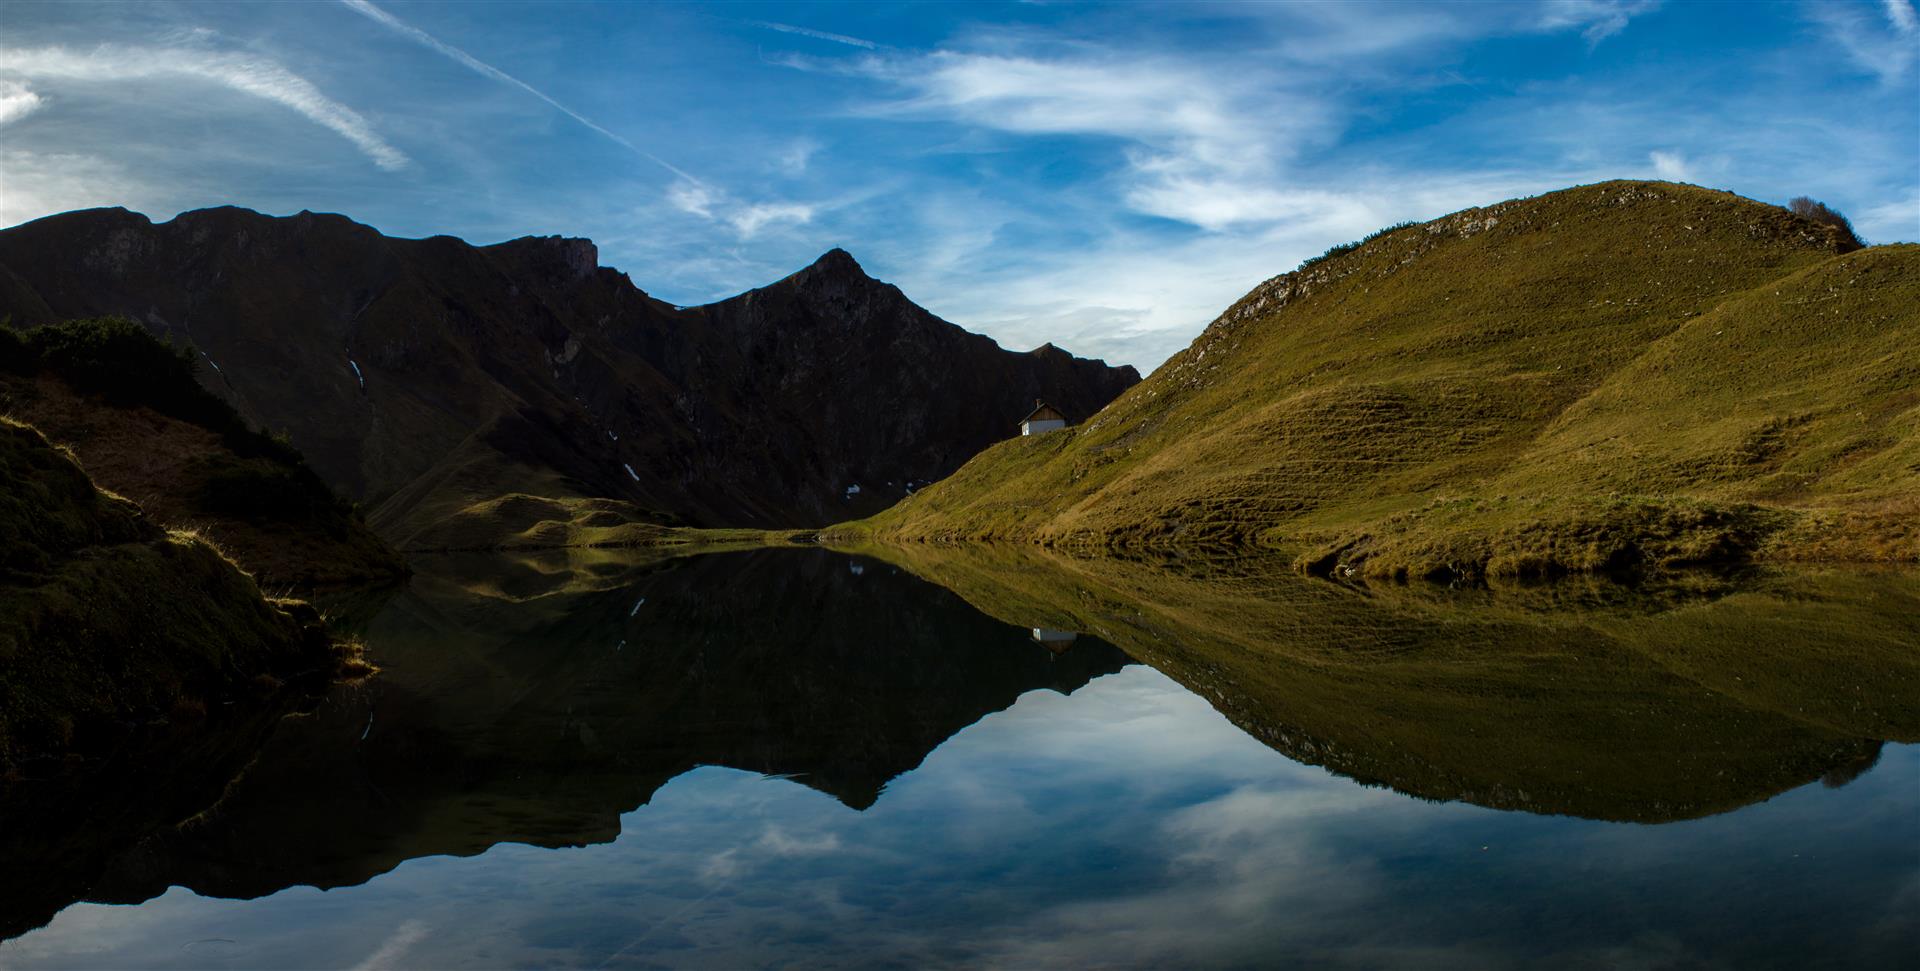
x,y
425,376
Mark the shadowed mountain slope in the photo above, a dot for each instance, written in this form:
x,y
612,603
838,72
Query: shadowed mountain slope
x,y
128,406
1616,374
424,376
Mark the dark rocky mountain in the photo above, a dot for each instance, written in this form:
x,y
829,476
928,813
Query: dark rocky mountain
x,y
422,376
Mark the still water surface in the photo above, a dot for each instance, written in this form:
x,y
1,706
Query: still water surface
x,y
799,758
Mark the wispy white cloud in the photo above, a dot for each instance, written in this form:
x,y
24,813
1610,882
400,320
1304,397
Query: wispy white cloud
x,y
819,35
17,101
746,219
1194,147
797,155
693,197
749,220
1896,219
1164,104
256,76
1671,166
1900,14
392,950
1221,204
478,66
1886,49
1597,20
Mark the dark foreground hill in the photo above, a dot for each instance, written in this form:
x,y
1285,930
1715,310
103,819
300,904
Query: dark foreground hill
x,y
429,377
137,666
129,408
1608,376
111,625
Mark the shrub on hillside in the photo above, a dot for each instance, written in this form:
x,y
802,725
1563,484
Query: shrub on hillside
x,y
119,360
127,365
15,356
1344,248
1331,252
260,493
1819,212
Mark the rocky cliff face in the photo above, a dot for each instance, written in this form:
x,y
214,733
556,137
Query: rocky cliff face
x,y
421,376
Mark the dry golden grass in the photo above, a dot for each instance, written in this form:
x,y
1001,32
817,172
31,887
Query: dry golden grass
x,y
1621,373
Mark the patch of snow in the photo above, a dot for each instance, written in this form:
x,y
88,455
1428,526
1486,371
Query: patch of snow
x,y
853,490
636,606
856,569
357,376
216,367
629,468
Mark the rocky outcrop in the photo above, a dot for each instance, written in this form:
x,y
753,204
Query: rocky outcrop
x,y
422,376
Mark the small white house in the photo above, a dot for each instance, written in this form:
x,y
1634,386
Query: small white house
x,y
1043,418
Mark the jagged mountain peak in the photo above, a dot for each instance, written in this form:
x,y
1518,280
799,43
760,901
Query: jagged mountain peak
x,y
836,267
839,261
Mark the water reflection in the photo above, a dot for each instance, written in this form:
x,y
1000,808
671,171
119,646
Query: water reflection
x,y
1587,699
503,718
928,806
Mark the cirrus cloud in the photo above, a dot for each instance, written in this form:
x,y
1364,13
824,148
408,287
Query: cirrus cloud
x,y
248,74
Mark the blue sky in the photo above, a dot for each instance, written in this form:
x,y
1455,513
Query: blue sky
x,y
1106,177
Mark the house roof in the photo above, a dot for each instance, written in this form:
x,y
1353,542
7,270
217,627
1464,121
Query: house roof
x,y
1041,412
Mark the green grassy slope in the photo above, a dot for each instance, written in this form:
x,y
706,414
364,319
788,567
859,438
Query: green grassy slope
x,y
1617,373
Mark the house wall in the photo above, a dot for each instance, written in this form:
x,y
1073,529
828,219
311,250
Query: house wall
x,y
1041,425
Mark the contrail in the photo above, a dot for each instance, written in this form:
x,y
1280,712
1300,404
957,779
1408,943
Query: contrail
x,y
817,34
481,67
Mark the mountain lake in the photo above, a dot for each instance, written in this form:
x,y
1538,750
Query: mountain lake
x,y
804,758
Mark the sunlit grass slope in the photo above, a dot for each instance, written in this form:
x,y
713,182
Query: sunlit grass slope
x,y
1622,373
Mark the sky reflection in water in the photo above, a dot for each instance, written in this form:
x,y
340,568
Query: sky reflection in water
x,y
1126,824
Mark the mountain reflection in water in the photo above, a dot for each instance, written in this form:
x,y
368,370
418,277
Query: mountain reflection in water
x,y
567,701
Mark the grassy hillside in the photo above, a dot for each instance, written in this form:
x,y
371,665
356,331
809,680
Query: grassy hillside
x,y
109,623
1611,375
129,407
1580,697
